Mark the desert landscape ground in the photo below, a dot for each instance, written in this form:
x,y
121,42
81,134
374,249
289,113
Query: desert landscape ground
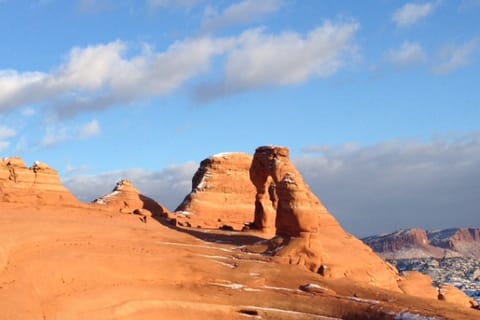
x,y
126,257
67,263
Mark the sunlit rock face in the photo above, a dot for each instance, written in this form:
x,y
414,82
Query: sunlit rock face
x,y
222,194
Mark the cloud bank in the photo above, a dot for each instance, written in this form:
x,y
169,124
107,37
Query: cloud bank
x,y
101,76
398,184
263,60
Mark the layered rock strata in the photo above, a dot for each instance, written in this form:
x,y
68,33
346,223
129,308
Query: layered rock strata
x,y
306,233
39,184
222,194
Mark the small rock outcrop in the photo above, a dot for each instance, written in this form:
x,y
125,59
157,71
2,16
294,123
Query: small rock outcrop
x,y
222,194
306,233
38,185
125,198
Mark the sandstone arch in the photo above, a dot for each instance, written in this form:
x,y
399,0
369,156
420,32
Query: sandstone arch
x,y
306,233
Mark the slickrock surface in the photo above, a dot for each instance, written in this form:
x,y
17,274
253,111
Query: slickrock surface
x,y
125,198
72,263
454,295
39,184
222,194
307,234
419,285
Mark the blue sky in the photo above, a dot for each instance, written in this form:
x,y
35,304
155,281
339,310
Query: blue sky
x,y
102,89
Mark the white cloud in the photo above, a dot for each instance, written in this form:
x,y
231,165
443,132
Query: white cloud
x,y
411,13
173,3
91,129
241,12
28,112
6,132
263,60
454,57
398,184
97,77
56,133
168,186
409,54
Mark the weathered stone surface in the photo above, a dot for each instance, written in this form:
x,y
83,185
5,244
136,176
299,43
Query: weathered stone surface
x,y
222,194
417,284
38,184
306,233
125,198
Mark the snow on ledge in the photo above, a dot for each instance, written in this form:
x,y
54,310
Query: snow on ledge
x,y
413,316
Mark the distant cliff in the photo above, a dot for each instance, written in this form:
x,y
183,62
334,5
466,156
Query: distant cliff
x,y
418,243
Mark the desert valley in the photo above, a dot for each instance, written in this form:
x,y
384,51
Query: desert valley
x,y
249,241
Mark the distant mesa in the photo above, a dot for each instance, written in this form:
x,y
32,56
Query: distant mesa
x,y
418,243
38,185
222,195
125,198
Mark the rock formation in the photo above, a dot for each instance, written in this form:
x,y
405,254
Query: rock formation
x,y
38,184
306,233
456,296
417,284
125,198
418,243
222,194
